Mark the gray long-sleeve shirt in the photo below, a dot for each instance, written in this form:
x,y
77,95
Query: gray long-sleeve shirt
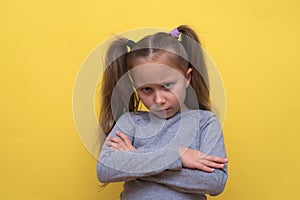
x,y
154,170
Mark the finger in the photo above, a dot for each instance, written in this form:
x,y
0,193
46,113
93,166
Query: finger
x,y
123,137
205,168
112,144
216,159
211,164
116,140
118,143
115,146
125,140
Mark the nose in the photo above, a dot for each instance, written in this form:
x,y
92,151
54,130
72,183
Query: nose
x,y
159,98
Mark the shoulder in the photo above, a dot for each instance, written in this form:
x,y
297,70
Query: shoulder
x,y
129,121
203,117
133,118
199,114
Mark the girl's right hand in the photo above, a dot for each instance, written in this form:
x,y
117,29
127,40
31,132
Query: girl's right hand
x,y
120,143
194,159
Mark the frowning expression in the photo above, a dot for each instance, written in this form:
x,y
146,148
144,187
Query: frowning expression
x,y
161,86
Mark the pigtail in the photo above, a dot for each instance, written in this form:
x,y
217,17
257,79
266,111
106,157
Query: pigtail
x,y
115,98
199,78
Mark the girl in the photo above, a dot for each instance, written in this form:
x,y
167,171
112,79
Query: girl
x,y
176,149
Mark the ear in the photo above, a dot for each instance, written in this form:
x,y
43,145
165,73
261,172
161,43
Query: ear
x,y
188,77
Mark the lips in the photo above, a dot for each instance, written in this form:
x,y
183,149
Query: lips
x,y
162,110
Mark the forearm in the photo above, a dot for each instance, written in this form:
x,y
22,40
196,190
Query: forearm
x,y
125,165
192,181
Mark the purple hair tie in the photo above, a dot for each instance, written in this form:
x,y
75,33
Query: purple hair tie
x,y
175,33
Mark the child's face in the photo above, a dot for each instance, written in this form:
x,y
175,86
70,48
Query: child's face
x,y
161,86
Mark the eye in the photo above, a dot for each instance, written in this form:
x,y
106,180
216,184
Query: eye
x,y
145,89
168,85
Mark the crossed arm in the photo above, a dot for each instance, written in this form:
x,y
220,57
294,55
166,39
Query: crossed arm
x,y
200,173
190,158
192,171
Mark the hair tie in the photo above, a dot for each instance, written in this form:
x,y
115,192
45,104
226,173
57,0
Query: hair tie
x,y
175,33
130,43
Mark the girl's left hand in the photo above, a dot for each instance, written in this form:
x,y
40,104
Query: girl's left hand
x,y
194,159
120,143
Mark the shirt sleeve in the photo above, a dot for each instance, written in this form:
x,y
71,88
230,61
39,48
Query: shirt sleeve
x,y
116,166
197,181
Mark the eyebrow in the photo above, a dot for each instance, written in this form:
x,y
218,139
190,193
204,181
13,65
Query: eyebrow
x,y
149,84
170,81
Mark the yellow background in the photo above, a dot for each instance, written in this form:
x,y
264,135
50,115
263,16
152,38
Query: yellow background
x,y
43,43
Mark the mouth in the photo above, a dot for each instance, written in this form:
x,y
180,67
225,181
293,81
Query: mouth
x,y
162,110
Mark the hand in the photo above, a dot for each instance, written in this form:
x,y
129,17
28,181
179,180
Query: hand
x,y
120,143
194,159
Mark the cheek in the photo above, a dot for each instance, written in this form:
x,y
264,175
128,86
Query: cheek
x,y
180,97
145,99
179,93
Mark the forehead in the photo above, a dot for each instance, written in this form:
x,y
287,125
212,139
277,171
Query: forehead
x,y
155,73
